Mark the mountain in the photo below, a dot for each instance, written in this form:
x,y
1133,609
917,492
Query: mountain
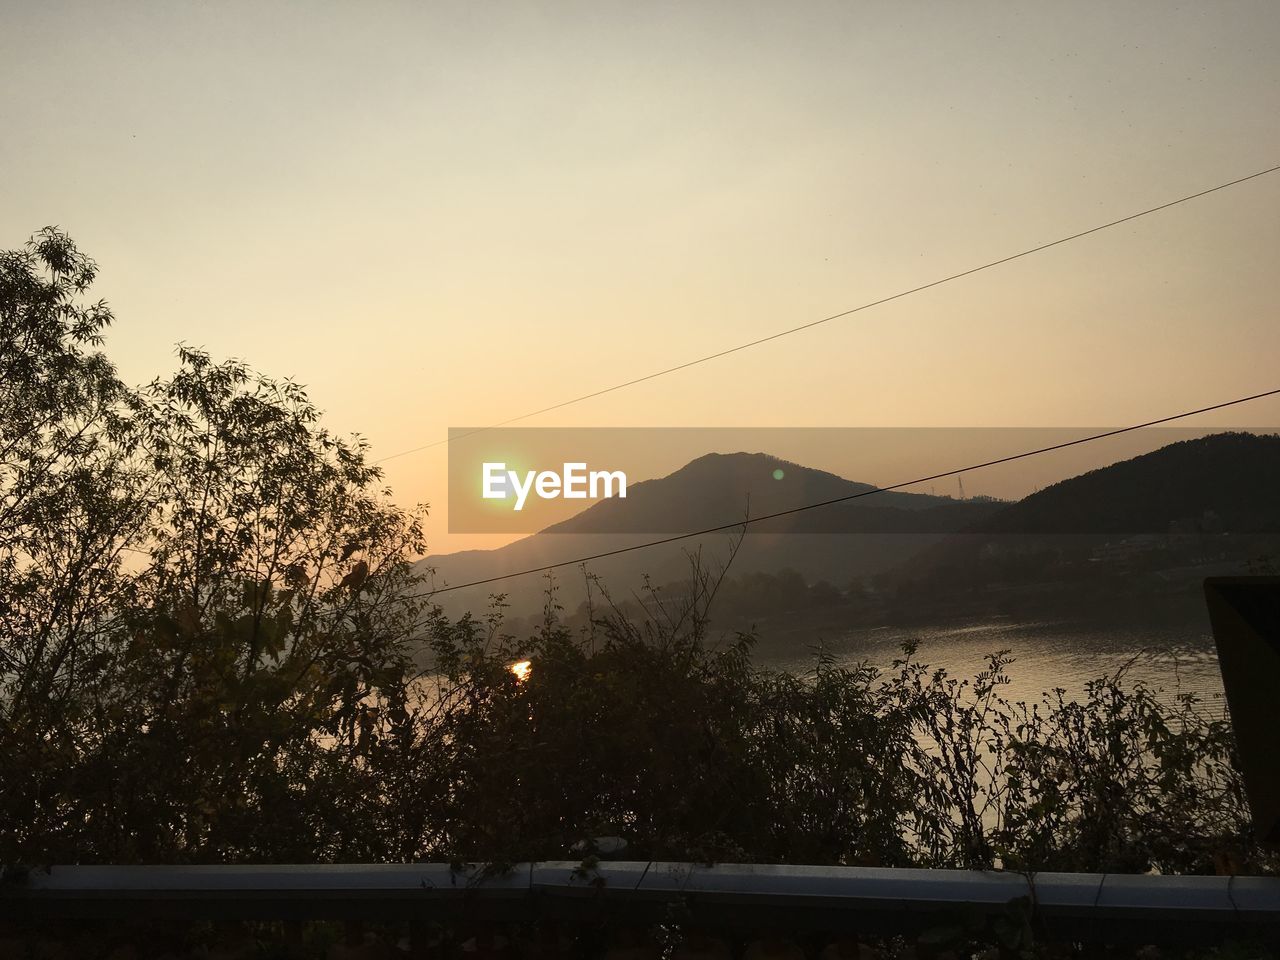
x,y
1139,535
863,536
719,489
1135,537
1233,475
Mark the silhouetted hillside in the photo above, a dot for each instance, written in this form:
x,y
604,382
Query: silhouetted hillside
x,y
1133,534
1139,535
1235,476
862,537
723,488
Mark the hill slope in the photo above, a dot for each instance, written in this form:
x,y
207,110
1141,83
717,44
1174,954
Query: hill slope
x,y
861,537
1139,535
1234,475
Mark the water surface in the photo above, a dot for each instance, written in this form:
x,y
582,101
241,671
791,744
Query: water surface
x,y
1169,659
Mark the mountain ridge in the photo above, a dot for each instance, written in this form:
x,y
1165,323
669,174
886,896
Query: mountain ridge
x,y
918,548
718,490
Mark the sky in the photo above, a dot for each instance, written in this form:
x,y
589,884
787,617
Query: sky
x,y
443,215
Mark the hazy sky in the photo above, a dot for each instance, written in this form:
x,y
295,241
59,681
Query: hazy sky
x,y
442,214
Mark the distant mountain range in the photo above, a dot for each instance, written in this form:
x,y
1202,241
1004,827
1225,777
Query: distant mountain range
x,y
1111,532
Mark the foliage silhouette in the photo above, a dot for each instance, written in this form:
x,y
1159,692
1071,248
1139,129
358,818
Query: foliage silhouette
x,y
212,652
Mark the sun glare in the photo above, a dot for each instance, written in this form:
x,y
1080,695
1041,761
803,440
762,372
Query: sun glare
x,y
521,669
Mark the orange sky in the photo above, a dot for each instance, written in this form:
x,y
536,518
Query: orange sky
x,y
445,214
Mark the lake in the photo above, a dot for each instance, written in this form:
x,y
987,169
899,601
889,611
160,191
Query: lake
x,y
1169,658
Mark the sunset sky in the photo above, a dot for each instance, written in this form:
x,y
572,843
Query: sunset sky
x,y
443,215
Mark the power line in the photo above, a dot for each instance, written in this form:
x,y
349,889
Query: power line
x,y
835,316
855,496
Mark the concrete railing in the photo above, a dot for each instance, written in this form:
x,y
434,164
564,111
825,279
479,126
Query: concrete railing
x,y
742,897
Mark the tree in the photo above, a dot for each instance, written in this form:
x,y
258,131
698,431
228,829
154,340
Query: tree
x,y
69,507
207,597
